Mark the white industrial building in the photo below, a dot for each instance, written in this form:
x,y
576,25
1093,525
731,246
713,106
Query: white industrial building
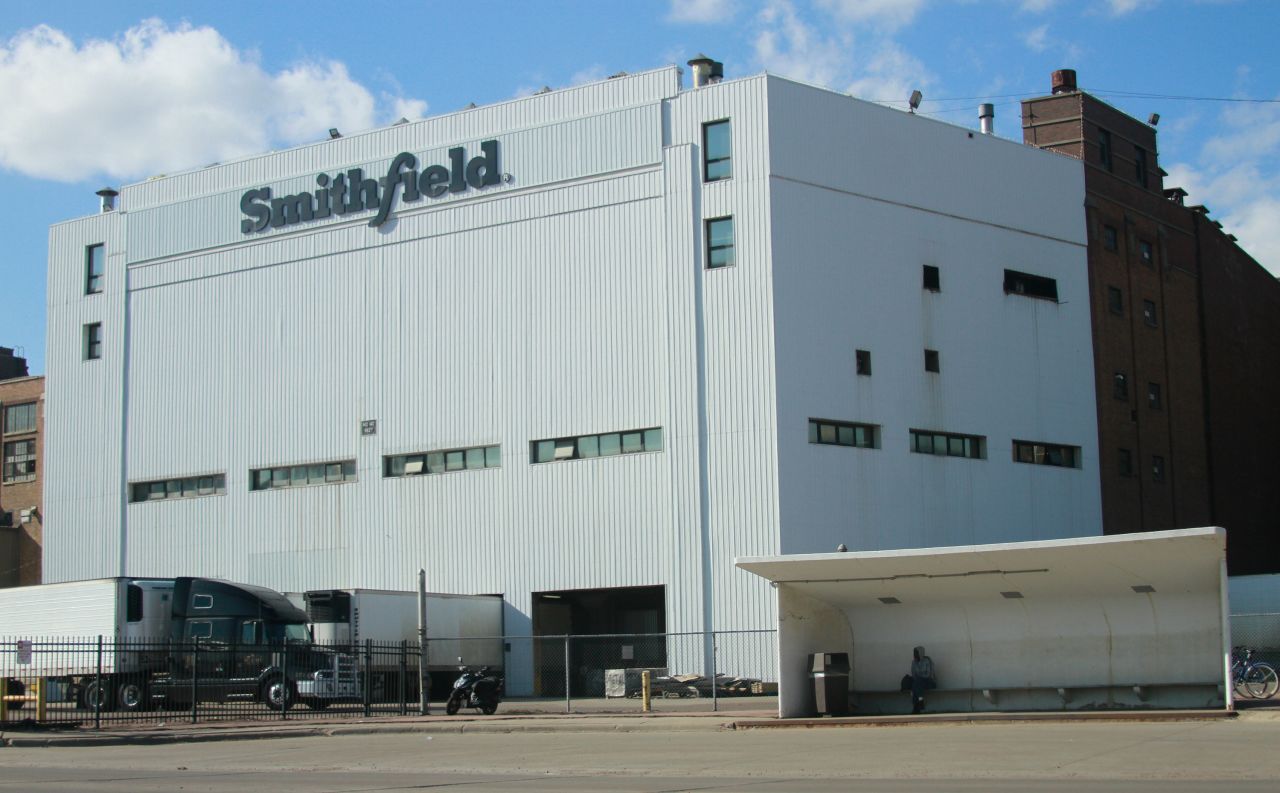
x,y
605,348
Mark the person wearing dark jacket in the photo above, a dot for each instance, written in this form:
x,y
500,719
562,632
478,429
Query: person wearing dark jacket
x,y
921,678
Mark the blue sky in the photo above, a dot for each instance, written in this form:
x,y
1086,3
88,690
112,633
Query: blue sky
x,y
100,93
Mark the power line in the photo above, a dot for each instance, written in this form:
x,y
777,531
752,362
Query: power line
x,y
1141,95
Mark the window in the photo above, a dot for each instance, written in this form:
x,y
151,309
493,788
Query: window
x,y
93,341
442,461
931,361
1115,300
1153,396
717,151
1149,313
843,433
181,487
1140,165
1120,386
932,279
1017,283
1110,240
328,473
608,444
1104,148
1148,255
947,444
863,362
1124,459
94,265
19,462
720,243
1038,453
1157,468
20,418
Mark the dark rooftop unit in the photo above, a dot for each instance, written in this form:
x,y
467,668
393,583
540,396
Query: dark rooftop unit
x,y
11,365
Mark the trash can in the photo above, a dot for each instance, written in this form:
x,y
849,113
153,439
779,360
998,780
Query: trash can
x,y
830,673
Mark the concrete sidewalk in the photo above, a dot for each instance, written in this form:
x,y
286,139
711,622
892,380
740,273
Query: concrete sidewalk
x,y
142,734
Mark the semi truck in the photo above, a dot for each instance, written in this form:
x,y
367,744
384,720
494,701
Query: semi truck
x,y
136,643
370,623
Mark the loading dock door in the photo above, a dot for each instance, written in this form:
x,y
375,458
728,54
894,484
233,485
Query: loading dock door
x,y
618,616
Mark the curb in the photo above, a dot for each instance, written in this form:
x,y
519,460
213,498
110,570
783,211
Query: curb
x,y
984,718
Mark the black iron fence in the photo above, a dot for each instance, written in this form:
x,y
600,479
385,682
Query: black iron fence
x,y
103,681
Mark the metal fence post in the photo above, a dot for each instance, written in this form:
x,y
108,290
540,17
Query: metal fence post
x,y
97,685
568,700
404,671
286,694
368,677
195,680
715,700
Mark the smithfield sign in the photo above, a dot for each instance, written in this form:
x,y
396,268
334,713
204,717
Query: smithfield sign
x,y
351,192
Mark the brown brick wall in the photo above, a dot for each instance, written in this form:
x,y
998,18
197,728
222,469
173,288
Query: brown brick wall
x,y
16,497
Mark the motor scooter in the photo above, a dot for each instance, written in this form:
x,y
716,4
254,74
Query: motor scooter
x,y
475,688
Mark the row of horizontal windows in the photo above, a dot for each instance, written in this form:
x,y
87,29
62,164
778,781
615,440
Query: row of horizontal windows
x,y
604,445
946,444
302,475
440,462
20,418
185,487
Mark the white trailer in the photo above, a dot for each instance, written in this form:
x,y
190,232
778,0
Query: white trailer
x,y
466,627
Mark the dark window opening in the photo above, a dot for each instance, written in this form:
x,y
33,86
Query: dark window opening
x,y
720,243
1124,459
1104,148
947,444
1149,313
1153,396
717,148
1016,283
1140,165
932,279
1046,454
1115,300
1120,386
1110,239
931,361
843,433
1147,252
1157,468
94,267
863,359
93,341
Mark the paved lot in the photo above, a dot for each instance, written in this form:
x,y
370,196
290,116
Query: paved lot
x,y
1157,756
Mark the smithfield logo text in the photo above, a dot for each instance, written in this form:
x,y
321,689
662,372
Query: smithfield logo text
x,y
352,192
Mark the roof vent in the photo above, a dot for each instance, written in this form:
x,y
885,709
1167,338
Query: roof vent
x,y
1064,81
706,71
987,118
108,196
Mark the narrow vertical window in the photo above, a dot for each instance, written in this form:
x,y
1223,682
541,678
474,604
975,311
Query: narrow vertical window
x,y
863,359
94,265
1157,468
932,279
1104,148
93,341
1110,239
1153,396
931,361
1124,460
1120,386
720,243
1140,165
1149,313
1147,253
717,151
1115,300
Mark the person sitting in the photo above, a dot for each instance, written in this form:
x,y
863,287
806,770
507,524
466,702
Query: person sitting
x,y
922,678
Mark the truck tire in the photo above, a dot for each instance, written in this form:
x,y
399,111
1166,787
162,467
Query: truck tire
x,y
278,693
92,696
133,696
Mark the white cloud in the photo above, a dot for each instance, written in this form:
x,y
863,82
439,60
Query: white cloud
x,y
1237,175
1037,6
890,14
872,67
1037,39
702,11
1120,8
158,99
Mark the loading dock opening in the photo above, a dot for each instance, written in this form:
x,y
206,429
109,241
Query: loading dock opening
x,y
607,625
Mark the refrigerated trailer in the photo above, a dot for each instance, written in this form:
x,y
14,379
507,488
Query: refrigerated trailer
x,y
461,630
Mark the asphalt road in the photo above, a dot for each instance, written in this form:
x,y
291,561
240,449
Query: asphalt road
x,y
1170,757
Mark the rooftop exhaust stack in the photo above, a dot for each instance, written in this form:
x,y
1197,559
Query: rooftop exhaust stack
x,y
987,118
706,71
1064,81
108,196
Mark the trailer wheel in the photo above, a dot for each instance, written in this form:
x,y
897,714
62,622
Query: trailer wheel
x,y
278,693
133,696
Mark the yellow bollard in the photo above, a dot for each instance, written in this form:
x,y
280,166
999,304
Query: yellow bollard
x,y
646,692
40,700
4,699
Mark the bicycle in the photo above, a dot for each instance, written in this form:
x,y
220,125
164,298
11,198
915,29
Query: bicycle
x,y
1253,679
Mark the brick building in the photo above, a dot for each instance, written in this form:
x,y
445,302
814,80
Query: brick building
x,y
21,505
1186,329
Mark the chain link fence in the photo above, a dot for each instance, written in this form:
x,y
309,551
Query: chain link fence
x,y
1259,632
103,681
